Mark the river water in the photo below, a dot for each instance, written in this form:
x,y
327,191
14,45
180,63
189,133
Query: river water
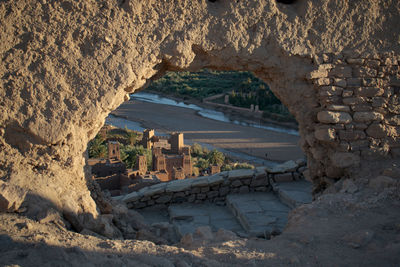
x,y
207,113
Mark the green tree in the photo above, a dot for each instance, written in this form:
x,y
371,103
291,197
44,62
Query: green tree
x,y
130,153
97,148
202,164
216,157
131,136
196,150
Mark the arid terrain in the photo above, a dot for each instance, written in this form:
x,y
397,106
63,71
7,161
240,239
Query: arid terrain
x,y
341,229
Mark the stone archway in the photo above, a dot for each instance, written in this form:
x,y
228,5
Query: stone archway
x,y
66,65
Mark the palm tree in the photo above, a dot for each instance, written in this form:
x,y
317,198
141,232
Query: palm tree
x,y
216,157
97,149
131,137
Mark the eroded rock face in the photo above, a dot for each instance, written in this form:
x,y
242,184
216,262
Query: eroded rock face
x,y
65,65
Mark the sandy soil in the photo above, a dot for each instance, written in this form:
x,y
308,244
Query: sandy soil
x,y
249,140
337,230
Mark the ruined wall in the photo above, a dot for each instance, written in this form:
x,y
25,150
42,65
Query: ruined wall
x,y
66,64
212,189
358,119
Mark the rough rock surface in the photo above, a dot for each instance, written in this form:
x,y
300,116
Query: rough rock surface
x,y
65,65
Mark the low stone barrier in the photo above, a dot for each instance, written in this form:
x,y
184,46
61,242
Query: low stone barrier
x,y
212,188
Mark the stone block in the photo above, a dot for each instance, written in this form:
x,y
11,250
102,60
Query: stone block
x,y
236,183
377,130
367,116
338,108
241,173
347,93
344,160
354,81
361,108
246,181
191,198
330,91
224,190
355,61
379,102
179,185
205,189
360,126
349,126
369,91
215,179
212,194
144,199
334,117
140,205
195,190
354,101
325,134
215,188
200,181
322,81
351,135
341,72
261,189
326,66
316,74
164,199
201,196
359,145
179,194
154,189
340,82
330,100
259,182
132,197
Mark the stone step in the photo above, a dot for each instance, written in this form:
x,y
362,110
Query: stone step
x,y
187,217
294,193
260,214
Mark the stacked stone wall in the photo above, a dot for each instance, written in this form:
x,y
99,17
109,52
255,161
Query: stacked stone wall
x,y
212,189
359,115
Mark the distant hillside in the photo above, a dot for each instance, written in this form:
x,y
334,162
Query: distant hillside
x,y
244,89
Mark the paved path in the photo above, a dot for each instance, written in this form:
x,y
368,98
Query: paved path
x,y
260,214
256,214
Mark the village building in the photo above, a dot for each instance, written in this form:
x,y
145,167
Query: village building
x,y
176,161
171,161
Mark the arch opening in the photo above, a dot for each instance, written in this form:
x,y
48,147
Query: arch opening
x,y
343,92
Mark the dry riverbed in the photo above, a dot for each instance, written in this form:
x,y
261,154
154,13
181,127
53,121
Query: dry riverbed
x,y
237,138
